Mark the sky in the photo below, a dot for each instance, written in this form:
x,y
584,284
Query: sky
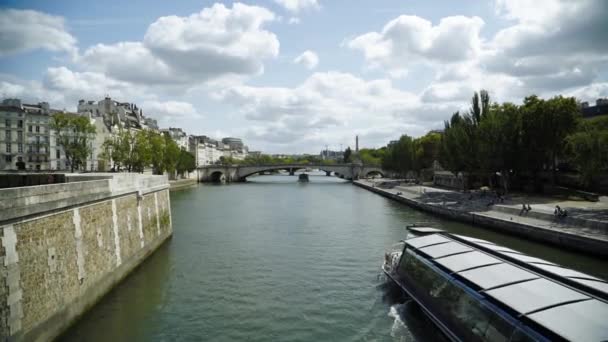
x,y
297,76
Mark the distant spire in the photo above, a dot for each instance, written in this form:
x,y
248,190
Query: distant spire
x,y
356,143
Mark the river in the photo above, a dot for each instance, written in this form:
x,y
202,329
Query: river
x,y
273,259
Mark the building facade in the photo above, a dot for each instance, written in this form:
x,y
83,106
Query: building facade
x,y
25,137
178,135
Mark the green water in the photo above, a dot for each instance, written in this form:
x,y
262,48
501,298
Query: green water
x,y
277,260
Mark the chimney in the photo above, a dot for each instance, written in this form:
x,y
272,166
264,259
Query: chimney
x,y
356,143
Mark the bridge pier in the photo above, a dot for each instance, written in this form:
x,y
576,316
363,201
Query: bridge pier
x,y
328,173
292,172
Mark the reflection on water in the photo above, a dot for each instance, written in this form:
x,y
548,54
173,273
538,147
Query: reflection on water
x,y
274,259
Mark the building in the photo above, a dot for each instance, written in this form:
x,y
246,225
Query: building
x,y
205,150
332,155
117,114
600,108
178,135
208,151
25,135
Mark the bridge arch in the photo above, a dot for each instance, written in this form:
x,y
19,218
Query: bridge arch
x,y
373,173
218,177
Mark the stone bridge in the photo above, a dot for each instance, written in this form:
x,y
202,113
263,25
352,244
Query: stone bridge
x,y
239,173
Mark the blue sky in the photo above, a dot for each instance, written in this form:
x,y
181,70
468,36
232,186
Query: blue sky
x,y
296,75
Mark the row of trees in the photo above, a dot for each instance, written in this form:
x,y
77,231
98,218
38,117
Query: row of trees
x,y
134,151
508,140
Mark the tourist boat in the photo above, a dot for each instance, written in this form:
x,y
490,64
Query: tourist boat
x,y
475,290
303,177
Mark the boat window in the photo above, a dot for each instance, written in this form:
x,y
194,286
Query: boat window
x,y
495,275
426,240
453,304
461,262
520,336
438,251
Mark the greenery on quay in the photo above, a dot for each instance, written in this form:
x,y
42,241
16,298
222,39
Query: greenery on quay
x,y
510,140
135,150
74,134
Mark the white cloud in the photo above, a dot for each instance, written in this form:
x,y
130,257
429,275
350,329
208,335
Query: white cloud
x,y
329,107
308,58
171,112
298,5
408,40
24,30
216,42
294,21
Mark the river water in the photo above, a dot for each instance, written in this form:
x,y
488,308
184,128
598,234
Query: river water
x,y
277,260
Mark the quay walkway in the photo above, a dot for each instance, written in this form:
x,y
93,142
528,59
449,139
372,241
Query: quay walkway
x,y
584,230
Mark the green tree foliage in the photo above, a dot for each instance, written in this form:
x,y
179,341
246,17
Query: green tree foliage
x,y
186,162
371,156
74,133
427,150
348,155
588,149
136,150
400,155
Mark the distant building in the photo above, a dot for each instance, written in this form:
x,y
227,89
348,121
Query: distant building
x,y
178,135
24,135
600,108
332,155
117,114
208,151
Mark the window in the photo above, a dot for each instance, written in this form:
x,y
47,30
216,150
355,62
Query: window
x,y
37,139
7,123
20,148
20,124
7,136
463,312
19,136
37,129
8,158
8,147
58,154
46,139
37,167
37,148
29,148
29,128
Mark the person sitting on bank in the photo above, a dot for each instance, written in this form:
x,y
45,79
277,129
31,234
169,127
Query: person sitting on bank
x,y
559,212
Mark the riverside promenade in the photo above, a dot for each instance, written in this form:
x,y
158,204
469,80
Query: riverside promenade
x,y
584,230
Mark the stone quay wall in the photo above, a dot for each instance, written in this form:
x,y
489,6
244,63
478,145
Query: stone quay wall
x,y
63,246
575,242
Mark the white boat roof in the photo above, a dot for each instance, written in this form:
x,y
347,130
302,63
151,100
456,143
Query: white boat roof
x,y
573,313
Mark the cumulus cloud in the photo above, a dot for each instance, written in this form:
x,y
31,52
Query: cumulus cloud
x,y
308,59
408,39
293,21
298,5
24,30
216,42
332,106
167,112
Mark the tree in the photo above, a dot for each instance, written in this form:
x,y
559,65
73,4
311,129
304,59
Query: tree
x,y
588,149
74,133
347,155
186,162
399,156
427,150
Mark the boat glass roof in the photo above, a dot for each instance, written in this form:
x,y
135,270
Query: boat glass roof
x,y
534,295
598,285
438,251
496,275
472,239
526,258
427,240
582,321
461,262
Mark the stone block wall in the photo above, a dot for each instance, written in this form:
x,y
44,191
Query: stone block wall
x,y
55,264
